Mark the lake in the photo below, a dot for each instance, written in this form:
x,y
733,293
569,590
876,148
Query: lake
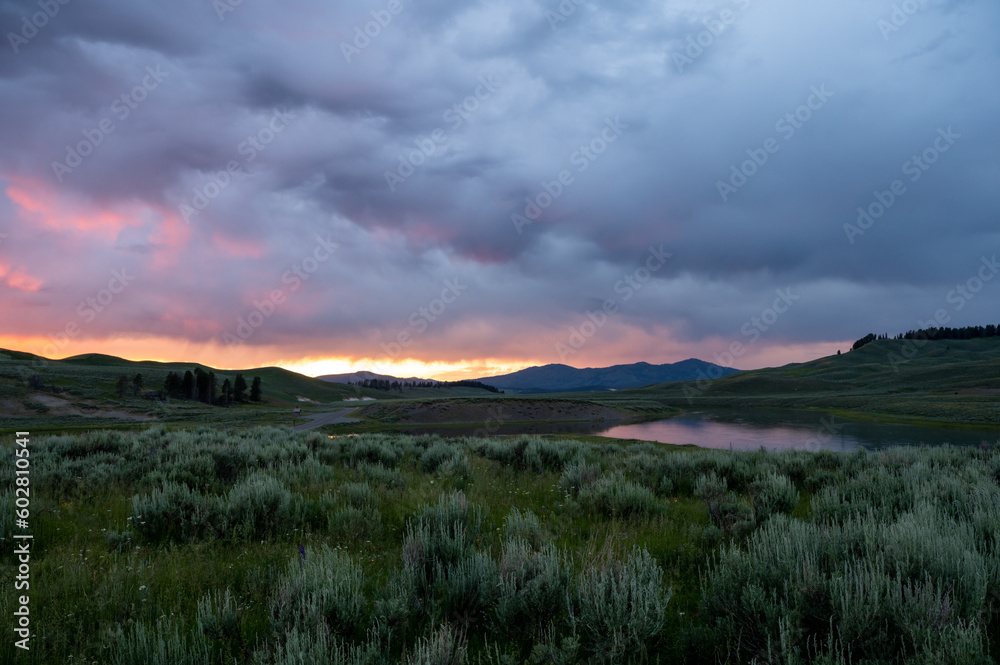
x,y
748,429
784,429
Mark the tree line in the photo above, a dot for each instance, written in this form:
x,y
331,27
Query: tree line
x,y
968,332
396,384
198,386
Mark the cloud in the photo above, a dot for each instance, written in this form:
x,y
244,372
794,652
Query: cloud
x,y
223,150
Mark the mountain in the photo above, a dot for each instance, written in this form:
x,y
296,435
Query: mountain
x,y
94,375
364,375
563,378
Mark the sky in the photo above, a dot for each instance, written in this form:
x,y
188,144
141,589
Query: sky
x,y
458,189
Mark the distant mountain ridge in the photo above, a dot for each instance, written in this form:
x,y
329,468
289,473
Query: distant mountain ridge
x,y
365,375
563,378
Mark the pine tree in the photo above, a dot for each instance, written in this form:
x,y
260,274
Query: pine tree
x,y
211,389
122,387
255,390
240,388
227,393
172,385
187,385
136,385
201,383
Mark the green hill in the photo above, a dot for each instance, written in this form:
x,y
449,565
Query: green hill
x,y
948,380
93,376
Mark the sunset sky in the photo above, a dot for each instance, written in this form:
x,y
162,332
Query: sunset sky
x,y
458,189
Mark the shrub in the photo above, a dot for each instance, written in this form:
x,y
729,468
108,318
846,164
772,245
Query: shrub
x,y
322,588
162,645
727,510
524,526
452,509
772,493
649,470
219,620
174,512
617,497
359,495
256,507
578,476
542,454
440,564
443,646
532,588
119,542
439,453
354,524
462,591
380,475
619,608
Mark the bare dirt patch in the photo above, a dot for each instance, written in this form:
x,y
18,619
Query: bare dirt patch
x,y
57,406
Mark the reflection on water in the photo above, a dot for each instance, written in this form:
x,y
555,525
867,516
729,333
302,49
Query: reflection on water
x,y
582,427
783,429
748,429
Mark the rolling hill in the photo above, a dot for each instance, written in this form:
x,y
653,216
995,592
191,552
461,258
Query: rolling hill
x,y
947,380
563,378
93,376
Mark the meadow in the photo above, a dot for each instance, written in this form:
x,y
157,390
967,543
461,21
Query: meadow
x,y
264,545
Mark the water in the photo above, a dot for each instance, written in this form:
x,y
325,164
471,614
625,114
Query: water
x,y
785,429
747,429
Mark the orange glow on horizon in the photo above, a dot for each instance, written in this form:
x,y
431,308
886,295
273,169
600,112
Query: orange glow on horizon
x,y
217,355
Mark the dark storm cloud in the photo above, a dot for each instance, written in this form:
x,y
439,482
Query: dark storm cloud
x,y
416,148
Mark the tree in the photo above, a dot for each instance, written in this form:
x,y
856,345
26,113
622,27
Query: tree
x,y
227,393
187,385
255,389
122,387
136,385
172,385
201,381
240,388
211,389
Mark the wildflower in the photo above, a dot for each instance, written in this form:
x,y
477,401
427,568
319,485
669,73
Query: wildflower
x,y
302,555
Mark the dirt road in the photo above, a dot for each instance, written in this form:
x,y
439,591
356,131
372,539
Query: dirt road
x,y
330,418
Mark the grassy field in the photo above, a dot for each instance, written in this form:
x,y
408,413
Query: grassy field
x,y
949,381
263,545
79,394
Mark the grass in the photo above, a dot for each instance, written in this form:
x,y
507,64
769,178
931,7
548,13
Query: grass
x,y
264,545
943,382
